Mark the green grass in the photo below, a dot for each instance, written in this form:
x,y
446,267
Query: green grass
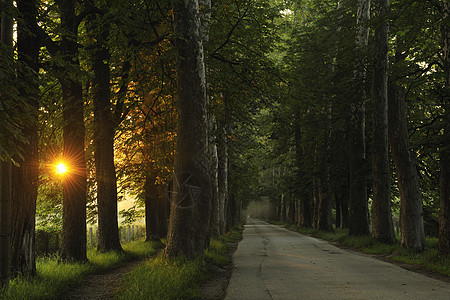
x,y
179,278
54,278
429,258
163,279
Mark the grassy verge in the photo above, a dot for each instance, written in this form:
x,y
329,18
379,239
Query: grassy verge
x,y
429,259
55,278
178,278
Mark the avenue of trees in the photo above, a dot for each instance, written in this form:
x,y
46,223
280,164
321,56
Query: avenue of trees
x,y
361,133
151,99
337,111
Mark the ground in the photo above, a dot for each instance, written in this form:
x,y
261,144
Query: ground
x,y
101,286
216,286
104,286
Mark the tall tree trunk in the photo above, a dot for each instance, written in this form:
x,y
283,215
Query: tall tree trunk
x,y
73,246
191,201
382,226
152,221
104,126
282,208
411,212
358,206
25,177
213,171
338,200
305,218
222,179
324,214
6,35
5,210
291,212
316,193
444,215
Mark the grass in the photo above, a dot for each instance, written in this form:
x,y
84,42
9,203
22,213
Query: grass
x,y
429,258
54,278
179,278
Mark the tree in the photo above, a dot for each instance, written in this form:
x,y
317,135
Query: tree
x,y
6,35
444,216
411,212
104,126
382,226
358,210
191,199
25,176
73,246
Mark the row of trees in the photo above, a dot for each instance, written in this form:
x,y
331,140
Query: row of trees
x,y
365,77
151,97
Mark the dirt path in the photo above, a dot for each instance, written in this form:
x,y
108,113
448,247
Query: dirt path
x,y
102,286
105,285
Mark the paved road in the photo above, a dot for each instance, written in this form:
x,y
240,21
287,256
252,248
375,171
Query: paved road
x,y
274,263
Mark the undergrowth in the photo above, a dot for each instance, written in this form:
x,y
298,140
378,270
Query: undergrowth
x,y
54,278
178,278
429,258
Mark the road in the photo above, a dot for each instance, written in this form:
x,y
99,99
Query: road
x,y
274,263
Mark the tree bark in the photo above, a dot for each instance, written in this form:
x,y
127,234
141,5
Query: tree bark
x,y
444,214
191,199
358,206
338,220
25,176
73,246
324,218
104,126
213,169
382,226
6,35
305,217
152,221
222,179
411,212
5,225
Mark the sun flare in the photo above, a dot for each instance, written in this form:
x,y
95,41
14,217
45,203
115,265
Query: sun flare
x,y
61,168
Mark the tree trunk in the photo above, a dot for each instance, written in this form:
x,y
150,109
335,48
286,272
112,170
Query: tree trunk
x,y
152,221
358,207
324,217
305,217
73,246
191,199
291,212
6,35
338,200
222,179
213,170
411,213
104,126
444,215
316,193
382,226
345,199
25,177
5,210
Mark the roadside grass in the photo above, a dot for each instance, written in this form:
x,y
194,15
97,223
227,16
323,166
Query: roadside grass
x,y
179,278
429,259
54,278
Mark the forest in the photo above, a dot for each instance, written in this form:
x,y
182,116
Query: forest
x,y
337,112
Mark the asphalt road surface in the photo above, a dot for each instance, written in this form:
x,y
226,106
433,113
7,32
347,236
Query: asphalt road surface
x,y
274,263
